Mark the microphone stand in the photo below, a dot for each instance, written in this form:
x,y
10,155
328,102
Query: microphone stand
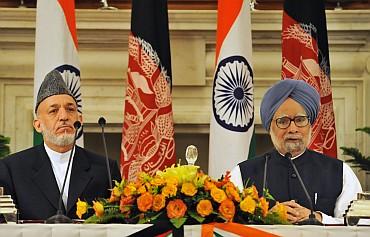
x,y
311,218
102,122
267,157
60,217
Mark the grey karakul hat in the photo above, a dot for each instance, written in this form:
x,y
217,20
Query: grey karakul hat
x,y
53,84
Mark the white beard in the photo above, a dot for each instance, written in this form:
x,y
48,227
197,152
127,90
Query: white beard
x,y
61,140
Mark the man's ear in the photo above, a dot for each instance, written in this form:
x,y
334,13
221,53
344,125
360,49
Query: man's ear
x,y
37,125
80,118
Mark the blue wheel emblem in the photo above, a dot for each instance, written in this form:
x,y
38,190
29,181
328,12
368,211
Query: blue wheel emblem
x,y
232,100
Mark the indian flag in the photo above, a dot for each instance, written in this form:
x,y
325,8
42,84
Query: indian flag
x,y
232,118
56,48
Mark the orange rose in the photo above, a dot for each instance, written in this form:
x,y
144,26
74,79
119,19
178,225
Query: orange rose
x,y
218,194
189,189
159,201
125,203
98,208
248,205
251,191
145,202
204,208
81,208
208,184
264,206
169,190
232,192
227,209
176,209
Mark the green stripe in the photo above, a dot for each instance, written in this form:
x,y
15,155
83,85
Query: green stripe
x,y
37,138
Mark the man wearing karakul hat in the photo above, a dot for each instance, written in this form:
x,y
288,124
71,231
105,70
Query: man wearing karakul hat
x,y
288,110
34,177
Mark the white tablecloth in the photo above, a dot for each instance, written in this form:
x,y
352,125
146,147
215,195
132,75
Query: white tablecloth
x,y
118,230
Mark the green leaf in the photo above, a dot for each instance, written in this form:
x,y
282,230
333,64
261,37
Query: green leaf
x,y
178,222
196,216
365,129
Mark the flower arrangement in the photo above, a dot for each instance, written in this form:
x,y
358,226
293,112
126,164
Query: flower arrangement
x,y
182,194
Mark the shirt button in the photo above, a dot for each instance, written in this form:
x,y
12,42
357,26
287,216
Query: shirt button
x,y
293,176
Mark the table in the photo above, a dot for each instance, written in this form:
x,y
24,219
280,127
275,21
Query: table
x,y
120,230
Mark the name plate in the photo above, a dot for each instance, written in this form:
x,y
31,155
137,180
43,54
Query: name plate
x,y
8,211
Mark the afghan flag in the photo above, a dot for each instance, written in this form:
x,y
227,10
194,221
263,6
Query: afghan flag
x,y
56,48
232,117
148,134
305,56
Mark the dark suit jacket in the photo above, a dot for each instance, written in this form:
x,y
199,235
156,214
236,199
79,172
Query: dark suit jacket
x,y
29,178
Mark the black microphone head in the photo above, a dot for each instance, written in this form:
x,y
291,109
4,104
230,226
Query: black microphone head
x,y
77,124
101,121
288,155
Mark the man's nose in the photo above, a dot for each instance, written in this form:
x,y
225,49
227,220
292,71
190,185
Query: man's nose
x,y
292,127
63,115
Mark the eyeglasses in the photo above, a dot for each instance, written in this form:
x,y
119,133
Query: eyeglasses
x,y
299,121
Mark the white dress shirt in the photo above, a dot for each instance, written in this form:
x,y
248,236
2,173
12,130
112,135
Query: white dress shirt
x,y
351,186
59,163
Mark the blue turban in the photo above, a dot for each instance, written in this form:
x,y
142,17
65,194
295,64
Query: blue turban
x,y
298,90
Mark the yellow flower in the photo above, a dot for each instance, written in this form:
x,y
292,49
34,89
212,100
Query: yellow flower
x,y
264,206
157,181
251,191
115,195
116,191
145,202
189,189
169,191
248,205
218,194
81,208
159,201
142,189
98,208
204,208
281,210
227,209
172,181
129,190
183,173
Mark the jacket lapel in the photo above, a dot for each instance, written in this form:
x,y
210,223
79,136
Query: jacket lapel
x,y
43,177
80,177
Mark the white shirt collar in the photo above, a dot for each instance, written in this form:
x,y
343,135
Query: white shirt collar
x,y
59,163
294,157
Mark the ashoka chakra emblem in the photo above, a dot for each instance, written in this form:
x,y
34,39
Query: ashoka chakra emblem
x,y
233,94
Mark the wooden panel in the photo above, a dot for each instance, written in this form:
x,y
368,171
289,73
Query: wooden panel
x,y
194,4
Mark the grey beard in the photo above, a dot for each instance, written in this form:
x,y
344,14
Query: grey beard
x,y
294,147
61,140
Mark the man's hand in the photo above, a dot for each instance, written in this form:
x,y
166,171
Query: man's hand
x,y
297,212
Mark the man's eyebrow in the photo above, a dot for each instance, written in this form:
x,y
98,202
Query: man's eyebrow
x,y
54,106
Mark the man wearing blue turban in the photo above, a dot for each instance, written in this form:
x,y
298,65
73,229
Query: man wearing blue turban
x,y
288,111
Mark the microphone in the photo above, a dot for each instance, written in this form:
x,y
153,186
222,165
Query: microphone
x,y
267,157
102,123
311,218
60,217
